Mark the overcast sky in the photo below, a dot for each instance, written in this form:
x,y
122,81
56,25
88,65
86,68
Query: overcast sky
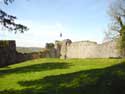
x,y
75,19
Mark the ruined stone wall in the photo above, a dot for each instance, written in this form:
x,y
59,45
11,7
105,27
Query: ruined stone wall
x,y
83,49
64,48
61,49
7,52
20,57
58,45
51,53
88,49
9,55
108,49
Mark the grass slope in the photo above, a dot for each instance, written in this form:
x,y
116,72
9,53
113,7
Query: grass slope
x,y
55,76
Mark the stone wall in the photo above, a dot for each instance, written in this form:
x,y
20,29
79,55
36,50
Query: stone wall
x,y
89,49
7,52
9,55
64,48
20,57
50,50
61,49
58,45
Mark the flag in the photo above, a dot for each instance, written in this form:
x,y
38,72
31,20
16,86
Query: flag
x,y
60,34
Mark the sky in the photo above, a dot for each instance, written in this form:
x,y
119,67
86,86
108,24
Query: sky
x,y
77,20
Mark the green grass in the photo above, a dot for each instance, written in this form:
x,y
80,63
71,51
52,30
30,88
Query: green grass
x,y
58,76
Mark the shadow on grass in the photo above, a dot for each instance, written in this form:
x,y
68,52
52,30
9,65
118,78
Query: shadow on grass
x,y
36,67
110,80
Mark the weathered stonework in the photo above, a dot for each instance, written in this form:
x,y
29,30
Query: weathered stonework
x,y
64,48
88,49
7,52
9,55
61,49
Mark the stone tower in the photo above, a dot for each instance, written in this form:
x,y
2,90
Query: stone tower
x,y
64,45
7,52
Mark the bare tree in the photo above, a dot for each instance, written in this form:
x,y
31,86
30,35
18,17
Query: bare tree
x,y
8,21
117,26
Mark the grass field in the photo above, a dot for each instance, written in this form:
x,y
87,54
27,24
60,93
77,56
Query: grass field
x,y
71,76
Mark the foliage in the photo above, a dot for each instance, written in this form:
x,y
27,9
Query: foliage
x,y
117,14
121,42
117,26
71,76
8,21
49,45
4,43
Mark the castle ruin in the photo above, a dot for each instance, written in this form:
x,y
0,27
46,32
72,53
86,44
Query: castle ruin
x,y
61,49
88,49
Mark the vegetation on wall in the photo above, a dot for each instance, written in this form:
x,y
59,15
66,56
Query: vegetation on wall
x,y
117,26
8,21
